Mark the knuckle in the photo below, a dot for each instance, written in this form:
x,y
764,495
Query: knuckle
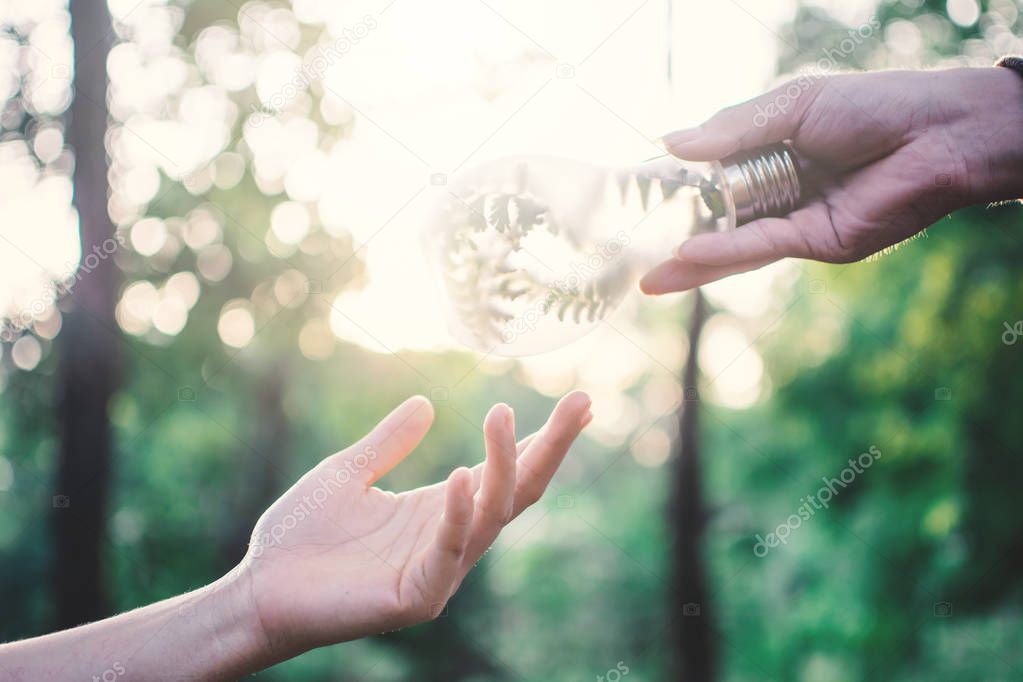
x,y
726,113
819,84
454,551
843,254
532,493
501,514
811,90
764,235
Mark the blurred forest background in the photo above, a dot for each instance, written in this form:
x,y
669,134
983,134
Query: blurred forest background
x,y
210,353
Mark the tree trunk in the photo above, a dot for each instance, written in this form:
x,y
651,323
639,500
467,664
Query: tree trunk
x,y
89,343
264,464
692,622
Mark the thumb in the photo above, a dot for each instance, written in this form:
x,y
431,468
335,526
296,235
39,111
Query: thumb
x,y
390,441
772,117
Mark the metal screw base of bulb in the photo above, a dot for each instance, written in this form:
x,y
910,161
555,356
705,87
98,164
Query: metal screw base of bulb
x,y
763,183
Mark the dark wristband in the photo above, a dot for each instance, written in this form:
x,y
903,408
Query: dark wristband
x,y
1012,62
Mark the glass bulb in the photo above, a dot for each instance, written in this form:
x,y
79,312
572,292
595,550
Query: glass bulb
x,y
533,253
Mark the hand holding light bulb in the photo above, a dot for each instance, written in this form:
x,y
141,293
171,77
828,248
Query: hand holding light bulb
x,y
533,253
888,154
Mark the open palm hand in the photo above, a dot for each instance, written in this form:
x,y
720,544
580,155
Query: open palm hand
x,y
335,558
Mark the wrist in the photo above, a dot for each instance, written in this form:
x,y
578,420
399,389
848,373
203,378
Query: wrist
x,y
236,636
990,134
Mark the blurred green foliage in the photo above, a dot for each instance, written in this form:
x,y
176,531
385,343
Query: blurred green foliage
x,y
918,370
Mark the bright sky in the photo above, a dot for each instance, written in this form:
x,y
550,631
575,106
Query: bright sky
x,y
616,100
431,87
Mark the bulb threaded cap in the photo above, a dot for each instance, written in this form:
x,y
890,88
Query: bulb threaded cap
x,y
763,182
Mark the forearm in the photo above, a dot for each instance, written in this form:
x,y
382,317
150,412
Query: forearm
x,y
208,634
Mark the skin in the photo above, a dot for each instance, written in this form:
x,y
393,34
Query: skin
x,y
332,560
884,155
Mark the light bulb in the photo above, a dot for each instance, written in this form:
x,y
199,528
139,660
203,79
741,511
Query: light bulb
x,y
533,253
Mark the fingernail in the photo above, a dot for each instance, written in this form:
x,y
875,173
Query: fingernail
x,y
587,419
509,419
678,253
680,137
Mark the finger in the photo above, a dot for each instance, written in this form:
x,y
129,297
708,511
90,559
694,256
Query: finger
x,y
755,123
390,441
541,460
444,557
536,465
675,275
768,238
477,471
496,499
497,490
